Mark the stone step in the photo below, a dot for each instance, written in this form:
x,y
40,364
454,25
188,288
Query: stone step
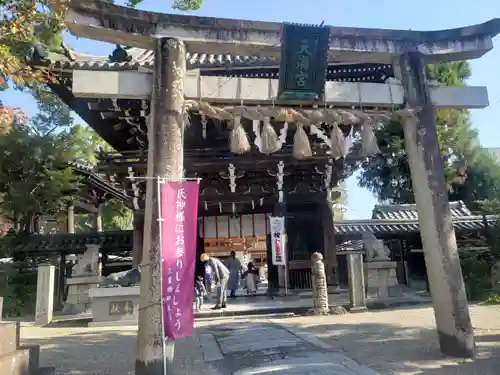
x,y
9,337
24,361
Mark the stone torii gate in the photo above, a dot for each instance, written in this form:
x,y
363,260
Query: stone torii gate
x,y
170,36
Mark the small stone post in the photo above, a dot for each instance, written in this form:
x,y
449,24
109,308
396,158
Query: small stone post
x,y
70,221
98,219
319,285
45,294
454,327
357,293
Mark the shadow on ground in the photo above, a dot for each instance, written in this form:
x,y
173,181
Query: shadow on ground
x,y
89,353
397,341
401,347
102,351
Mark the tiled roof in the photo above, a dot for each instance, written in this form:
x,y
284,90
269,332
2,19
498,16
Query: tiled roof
x,y
409,211
72,243
96,180
401,226
145,59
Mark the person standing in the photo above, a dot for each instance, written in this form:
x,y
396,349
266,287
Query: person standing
x,y
208,278
251,278
220,275
235,269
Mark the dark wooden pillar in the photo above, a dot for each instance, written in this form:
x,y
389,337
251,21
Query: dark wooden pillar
x,y
104,264
329,250
61,293
200,249
456,336
165,154
138,238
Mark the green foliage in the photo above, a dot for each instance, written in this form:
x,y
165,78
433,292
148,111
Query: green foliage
x,y
182,5
185,5
476,273
471,172
115,215
18,286
33,175
35,179
493,300
22,25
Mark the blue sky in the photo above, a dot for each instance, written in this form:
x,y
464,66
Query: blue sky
x,y
387,14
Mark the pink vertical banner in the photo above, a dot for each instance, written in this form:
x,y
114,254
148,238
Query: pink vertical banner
x,y
179,211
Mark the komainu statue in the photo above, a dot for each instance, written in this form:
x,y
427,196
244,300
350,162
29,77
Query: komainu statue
x,y
375,249
122,279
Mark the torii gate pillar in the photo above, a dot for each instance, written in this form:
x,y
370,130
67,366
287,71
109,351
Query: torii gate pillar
x,y
456,335
165,155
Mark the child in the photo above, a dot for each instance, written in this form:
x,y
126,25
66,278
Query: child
x,y
199,292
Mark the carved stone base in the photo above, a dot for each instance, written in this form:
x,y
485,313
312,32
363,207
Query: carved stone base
x,y
78,293
338,310
357,309
115,306
335,310
381,280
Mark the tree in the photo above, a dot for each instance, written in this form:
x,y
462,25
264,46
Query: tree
x,y
115,215
26,24
470,171
35,177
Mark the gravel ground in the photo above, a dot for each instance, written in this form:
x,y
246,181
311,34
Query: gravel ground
x,y
404,342
399,341
103,351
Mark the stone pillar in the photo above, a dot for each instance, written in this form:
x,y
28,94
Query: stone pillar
x,y
138,238
357,293
70,224
98,219
329,244
85,276
319,285
456,336
165,159
45,294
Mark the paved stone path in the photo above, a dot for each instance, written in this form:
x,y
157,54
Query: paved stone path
x,y
404,341
247,347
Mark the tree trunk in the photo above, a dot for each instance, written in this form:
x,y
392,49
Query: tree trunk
x,y
164,160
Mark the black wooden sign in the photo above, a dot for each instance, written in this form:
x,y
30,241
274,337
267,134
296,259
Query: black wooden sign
x,y
304,61
121,308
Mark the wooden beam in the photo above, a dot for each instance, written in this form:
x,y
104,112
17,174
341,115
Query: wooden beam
x,y
95,19
226,90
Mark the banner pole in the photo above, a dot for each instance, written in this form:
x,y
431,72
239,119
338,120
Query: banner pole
x,y
285,269
160,224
